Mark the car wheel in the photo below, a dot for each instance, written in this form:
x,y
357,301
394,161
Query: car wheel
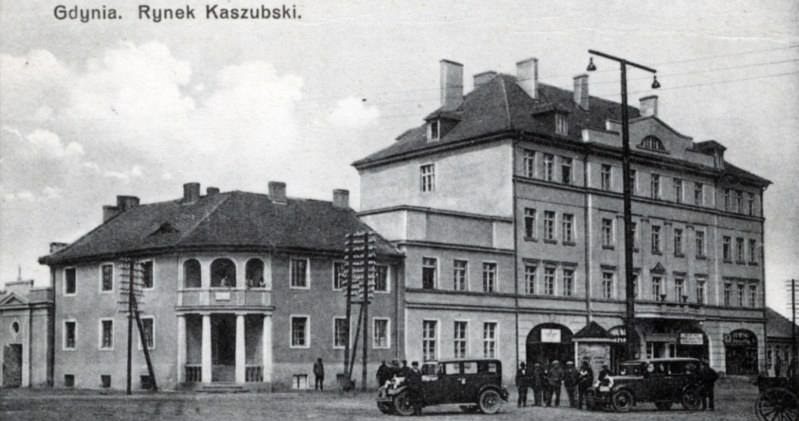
x,y
403,404
663,405
489,401
691,400
385,408
622,401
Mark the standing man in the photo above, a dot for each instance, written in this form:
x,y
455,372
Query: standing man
x,y
708,377
536,382
585,381
571,377
777,366
555,380
404,371
546,391
521,385
383,374
414,382
319,375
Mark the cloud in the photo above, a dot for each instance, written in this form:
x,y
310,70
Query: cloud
x,y
49,143
352,112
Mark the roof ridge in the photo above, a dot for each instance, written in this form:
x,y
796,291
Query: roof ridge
x,y
507,103
207,214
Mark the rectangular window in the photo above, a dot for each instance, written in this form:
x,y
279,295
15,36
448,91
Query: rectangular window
x,y
299,273
739,201
699,197
741,295
727,199
549,225
753,296
561,124
739,250
380,338
148,326
549,281
604,176
459,339
635,284
752,250
529,163
654,186
299,332
341,332
727,294
549,167
70,282
460,269
635,236
679,290
568,282
607,285
700,243
147,274
339,275
657,288
566,170
489,340
568,228
750,203
607,233
678,190
529,223
529,278
656,239
106,334
678,242
381,278
489,277
70,335
429,339
633,181
427,177
107,277
434,130
726,249
700,291
429,272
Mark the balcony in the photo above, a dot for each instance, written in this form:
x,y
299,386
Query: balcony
x,y
224,299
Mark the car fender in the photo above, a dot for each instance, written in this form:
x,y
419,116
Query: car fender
x,y
503,393
626,387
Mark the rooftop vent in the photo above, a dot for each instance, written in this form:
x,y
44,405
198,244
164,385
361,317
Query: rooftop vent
x,y
277,191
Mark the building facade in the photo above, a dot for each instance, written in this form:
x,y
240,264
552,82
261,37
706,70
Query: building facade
x,y
507,203
235,289
781,342
26,318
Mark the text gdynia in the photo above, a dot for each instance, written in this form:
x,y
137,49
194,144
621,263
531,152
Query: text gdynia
x,y
212,11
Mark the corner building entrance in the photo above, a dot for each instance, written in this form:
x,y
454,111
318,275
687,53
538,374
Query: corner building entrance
x,y
548,342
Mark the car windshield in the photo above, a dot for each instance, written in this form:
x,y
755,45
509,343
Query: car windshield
x,y
630,370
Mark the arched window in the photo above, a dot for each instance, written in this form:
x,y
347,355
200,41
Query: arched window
x,y
255,273
652,143
223,273
192,275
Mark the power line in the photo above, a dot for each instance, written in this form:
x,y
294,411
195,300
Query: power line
x,y
718,82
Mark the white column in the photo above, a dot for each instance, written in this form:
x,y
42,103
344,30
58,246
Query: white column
x,y
181,348
266,348
240,350
206,349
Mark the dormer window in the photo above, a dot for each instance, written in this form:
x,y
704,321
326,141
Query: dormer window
x,y
653,144
434,128
561,124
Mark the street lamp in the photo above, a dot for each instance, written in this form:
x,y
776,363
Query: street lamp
x,y
628,226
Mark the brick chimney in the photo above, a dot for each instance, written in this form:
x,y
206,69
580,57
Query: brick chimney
x,y
110,212
210,191
451,85
277,191
191,192
649,106
527,76
127,202
341,198
483,77
581,97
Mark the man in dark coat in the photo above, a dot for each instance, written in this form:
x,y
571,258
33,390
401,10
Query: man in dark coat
x,y
555,379
571,377
522,385
536,382
708,377
319,375
383,374
585,382
414,381
546,391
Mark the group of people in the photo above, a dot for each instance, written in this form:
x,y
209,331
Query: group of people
x,y
412,376
547,381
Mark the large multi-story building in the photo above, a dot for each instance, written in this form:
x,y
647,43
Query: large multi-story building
x,y
236,287
507,202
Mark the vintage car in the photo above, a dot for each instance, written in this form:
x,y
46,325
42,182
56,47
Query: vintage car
x,y
663,381
474,384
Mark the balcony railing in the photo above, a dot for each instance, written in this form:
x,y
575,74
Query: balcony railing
x,y
224,297
194,373
253,374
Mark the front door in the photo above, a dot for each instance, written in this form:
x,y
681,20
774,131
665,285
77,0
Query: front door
x,y
12,365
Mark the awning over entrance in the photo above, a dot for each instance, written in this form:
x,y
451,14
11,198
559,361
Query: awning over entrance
x,y
592,331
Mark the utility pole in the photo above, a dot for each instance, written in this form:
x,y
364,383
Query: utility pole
x,y
130,320
369,256
350,261
628,228
793,325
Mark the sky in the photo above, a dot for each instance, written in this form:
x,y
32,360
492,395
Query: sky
x,y
93,110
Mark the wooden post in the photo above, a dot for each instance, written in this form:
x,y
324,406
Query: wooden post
x,y
365,290
130,320
348,255
145,347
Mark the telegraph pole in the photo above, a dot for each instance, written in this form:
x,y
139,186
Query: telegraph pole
x,y
349,258
628,228
130,321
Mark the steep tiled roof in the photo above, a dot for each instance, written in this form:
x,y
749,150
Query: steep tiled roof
x,y
225,220
777,325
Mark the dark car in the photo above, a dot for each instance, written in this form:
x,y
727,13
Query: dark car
x,y
474,384
663,381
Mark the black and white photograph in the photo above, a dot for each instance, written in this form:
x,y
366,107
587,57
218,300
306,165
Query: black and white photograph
x,y
373,209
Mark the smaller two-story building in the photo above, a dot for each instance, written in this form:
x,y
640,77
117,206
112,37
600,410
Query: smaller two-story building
x,y
238,288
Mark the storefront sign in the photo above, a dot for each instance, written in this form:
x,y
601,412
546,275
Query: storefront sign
x,y
550,335
691,339
740,338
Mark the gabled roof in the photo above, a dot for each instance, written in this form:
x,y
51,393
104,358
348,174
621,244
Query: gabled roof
x,y
777,325
592,330
10,299
233,220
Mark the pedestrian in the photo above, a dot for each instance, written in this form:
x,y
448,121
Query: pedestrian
x,y
394,368
404,371
319,375
555,379
521,385
777,366
414,382
604,372
708,377
584,383
791,369
383,374
536,382
546,390
571,378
